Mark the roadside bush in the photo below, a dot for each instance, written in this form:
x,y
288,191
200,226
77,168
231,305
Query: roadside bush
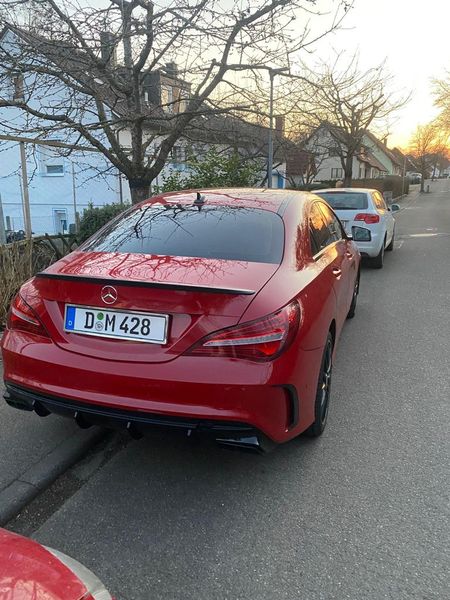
x,y
310,187
211,170
18,262
390,183
94,218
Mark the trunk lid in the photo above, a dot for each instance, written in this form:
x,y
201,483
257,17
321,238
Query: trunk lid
x,y
199,295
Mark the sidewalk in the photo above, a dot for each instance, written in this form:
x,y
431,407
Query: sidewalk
x,y
34,451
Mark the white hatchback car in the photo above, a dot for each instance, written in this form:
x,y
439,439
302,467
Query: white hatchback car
x,y
366,217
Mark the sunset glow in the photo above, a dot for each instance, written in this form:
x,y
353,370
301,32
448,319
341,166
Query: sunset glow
x,y
413,38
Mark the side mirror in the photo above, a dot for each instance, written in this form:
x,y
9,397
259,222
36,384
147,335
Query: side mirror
x,y
395,207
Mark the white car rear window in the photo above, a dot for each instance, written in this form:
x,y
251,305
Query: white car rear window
x,y
345,200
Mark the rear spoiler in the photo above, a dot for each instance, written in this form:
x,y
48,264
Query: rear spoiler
x,y
185,287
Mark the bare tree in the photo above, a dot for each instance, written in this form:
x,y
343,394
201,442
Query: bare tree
x,y
441,90
96,74
427,142
346,102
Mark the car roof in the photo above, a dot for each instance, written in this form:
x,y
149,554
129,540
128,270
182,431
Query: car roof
x,y
267,199
347,189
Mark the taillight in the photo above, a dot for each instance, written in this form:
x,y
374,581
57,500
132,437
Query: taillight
x,y
22,317
368,218
261,340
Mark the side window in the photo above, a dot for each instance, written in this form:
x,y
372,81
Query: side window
x,y
319,233
379,201
332,223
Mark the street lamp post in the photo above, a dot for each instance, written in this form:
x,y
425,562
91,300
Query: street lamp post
x,y
272,73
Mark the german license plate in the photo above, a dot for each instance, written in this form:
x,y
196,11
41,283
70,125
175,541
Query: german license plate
x,y
120,324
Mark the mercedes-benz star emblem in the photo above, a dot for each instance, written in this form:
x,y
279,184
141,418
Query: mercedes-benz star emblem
x,y
109,294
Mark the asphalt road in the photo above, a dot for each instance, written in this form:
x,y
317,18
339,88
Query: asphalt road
x,y
361,513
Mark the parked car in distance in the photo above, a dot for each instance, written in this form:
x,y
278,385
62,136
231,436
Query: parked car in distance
x,y
366,217
415,178
29,571
216,312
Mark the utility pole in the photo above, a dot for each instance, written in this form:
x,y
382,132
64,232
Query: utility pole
x,y
25,197
74,196
403,176
2,224
272,73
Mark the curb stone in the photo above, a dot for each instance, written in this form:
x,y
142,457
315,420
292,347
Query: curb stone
x,y
41,475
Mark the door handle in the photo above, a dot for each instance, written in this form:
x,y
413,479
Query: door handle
x,y
337,272
349,254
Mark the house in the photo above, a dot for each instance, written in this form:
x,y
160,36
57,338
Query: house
x,y
390,160
404,160
64,180
372,158
61,181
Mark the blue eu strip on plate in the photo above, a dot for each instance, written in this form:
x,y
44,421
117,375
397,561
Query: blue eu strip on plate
x,y
70,317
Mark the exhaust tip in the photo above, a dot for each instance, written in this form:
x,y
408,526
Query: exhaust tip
x,y
39,409
80,420
133,431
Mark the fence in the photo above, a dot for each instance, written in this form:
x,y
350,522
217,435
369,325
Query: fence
x,y
21,260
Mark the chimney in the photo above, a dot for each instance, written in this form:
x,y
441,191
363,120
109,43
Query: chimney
x,y
108,48
171,69
279,125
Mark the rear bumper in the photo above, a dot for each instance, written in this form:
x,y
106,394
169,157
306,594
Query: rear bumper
x,y
232,434
276,399
369,249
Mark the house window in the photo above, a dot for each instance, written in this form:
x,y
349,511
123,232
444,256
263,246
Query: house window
x,y
51,163
18,89
183,102
178,154
336,173
167,98
54,169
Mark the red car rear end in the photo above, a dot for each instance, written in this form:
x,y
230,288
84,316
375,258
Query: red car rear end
x,y
200,313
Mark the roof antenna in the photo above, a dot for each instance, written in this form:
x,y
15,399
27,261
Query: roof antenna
x,y
199,201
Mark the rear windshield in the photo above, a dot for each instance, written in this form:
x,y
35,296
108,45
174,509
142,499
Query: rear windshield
x,y
230,233
345,200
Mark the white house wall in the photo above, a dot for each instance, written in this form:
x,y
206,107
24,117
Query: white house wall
x,y
51,194
380,155
319,144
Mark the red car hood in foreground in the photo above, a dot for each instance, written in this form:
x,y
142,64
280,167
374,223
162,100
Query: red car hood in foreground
x,y
28,571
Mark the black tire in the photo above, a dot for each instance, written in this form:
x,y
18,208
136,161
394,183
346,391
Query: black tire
x,y
391,244
352,309
378,261
323,391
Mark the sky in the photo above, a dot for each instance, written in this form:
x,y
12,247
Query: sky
x,y
414,38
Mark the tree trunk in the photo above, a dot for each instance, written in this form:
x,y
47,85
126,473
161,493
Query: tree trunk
x,y
348,171
139,189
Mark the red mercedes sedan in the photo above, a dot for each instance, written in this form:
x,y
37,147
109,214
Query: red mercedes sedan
x,y
216,312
